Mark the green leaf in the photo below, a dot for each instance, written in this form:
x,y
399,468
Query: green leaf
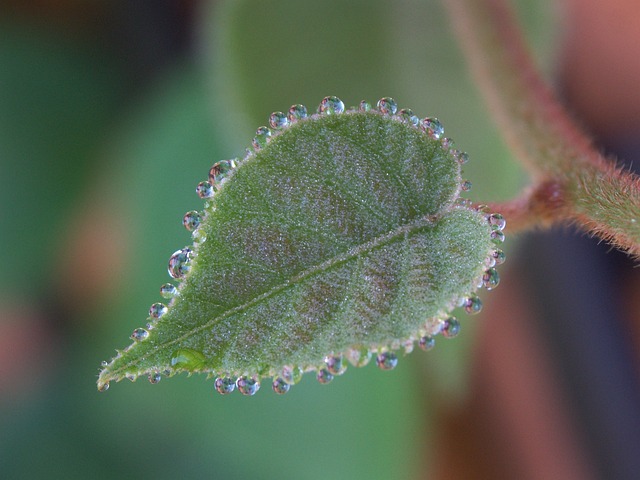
x,y
339,235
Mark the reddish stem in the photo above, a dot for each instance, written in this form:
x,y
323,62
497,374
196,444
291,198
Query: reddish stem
x,y
595,194
538,206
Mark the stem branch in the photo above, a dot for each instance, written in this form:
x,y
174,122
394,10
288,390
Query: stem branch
x,y
597,195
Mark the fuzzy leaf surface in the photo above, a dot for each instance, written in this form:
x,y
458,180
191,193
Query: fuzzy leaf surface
x,y
341,232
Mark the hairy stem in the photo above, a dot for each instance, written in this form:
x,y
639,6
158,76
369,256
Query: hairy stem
x,y
540,205
595,193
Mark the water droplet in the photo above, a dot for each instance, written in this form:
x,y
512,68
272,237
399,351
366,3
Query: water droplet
x,y
433,127
387,360
364,106
131,377
465,185
187,358
462,157
433,326
205,190
497,236
499,256
247,385
359,356
427,343
297,112
490,262
408,346
280,386
497,221
387,106
278,120
463,202
154,378
220,171
473,305
168,291
408,115
191,220
324,376
447,143
157,310
331,105
451,327
291,374
490,279
199,236
263,134
104,387
139,334
224,385
104,363
180,263
336,364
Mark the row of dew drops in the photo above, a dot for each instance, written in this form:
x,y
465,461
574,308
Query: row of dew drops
x,y
334,364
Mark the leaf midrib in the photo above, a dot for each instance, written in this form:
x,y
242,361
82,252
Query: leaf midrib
x,y
401,232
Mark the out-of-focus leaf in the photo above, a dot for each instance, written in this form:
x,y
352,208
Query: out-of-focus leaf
x,y
55,98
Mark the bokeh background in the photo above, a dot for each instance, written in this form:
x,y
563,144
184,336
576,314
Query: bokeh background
x,y
112,112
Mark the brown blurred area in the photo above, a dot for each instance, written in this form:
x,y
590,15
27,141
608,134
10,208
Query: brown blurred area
x,y
519,419
599,65
145,38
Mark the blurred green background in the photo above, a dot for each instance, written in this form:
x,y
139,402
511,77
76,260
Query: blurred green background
x,y
110,114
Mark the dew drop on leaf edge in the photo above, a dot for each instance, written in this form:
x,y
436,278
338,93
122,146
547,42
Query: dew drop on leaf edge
x,y
473,305
331,106
451,328
220,171
498,256
139,334
335,364
168,291
497,221
387,106
291,374
297,112
247,385
191,220
324,376
157,310
359,356
408,115
434,128
387,360
279,386
497,236
263,134
364,106
205,190
180,263
278,120
427,343
490,279
224,385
